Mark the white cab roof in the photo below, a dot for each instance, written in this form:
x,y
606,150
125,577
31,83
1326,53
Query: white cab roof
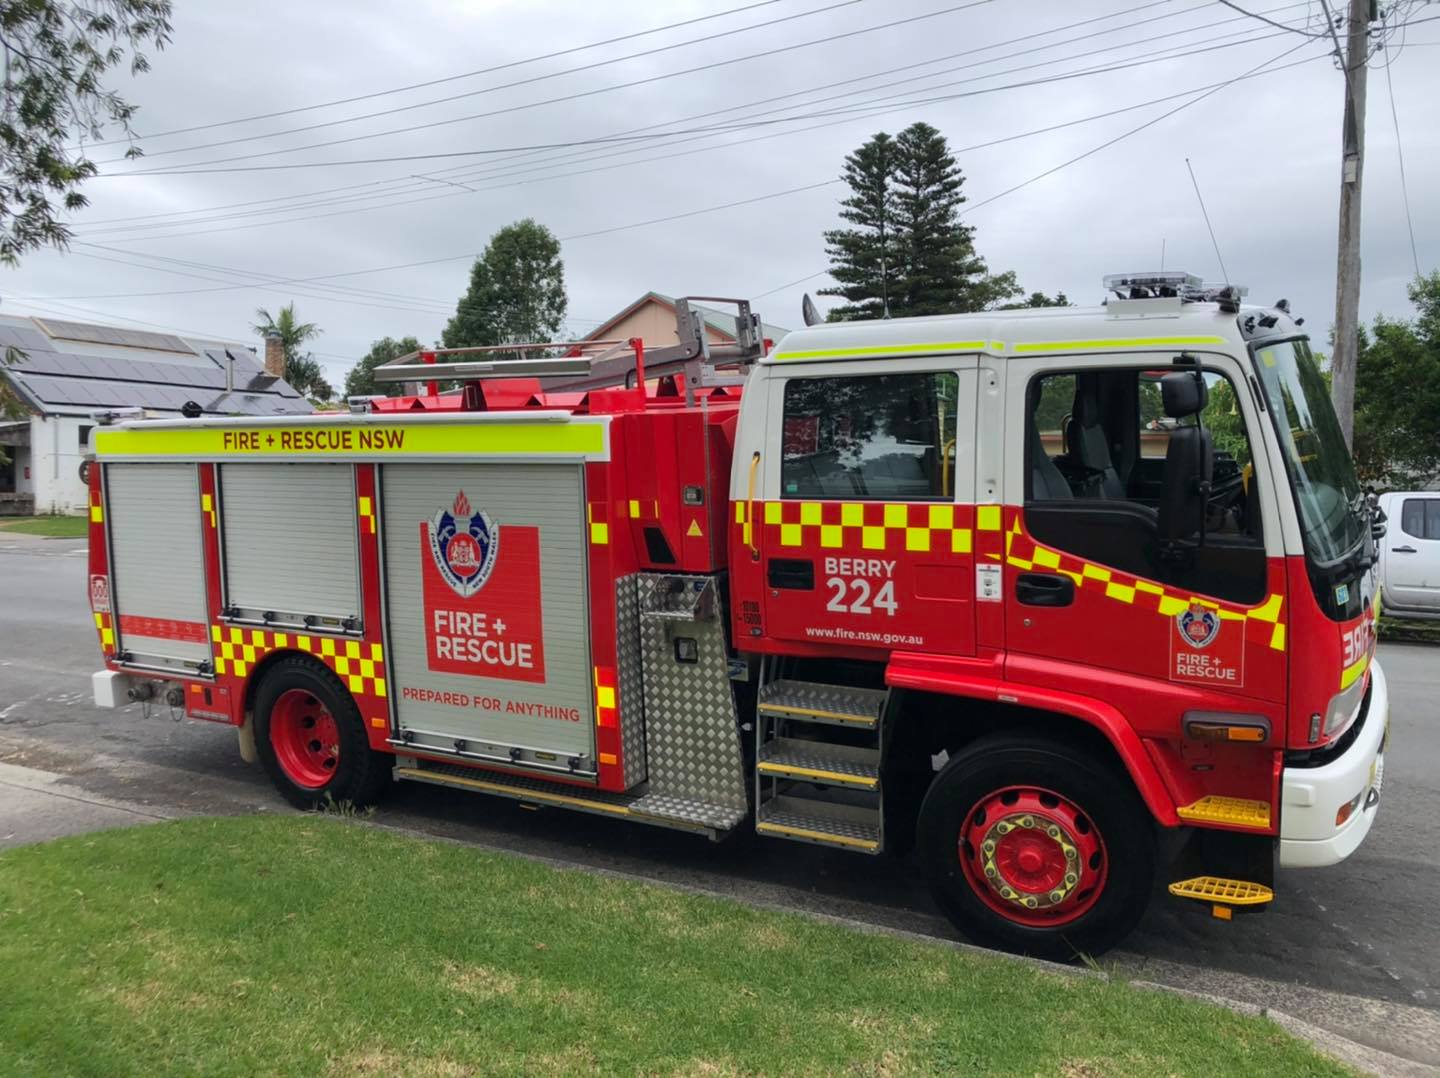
x,y
1123,325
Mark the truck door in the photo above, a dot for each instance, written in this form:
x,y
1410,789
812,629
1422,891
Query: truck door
x,y
1088,588
867,527
1412,557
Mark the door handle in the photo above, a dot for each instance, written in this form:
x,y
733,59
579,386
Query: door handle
x,y
1044,589
1402,550
797,574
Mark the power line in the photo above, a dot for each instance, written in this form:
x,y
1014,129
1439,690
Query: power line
x,y
1400,153
1270,22
638,134
1208,92
871,111
448,78
694,69
729,205
909,66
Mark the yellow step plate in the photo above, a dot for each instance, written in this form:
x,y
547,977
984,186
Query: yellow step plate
x,y
1220,890
1237,811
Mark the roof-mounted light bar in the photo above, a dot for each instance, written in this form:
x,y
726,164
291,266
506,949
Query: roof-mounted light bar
x,y
1175,284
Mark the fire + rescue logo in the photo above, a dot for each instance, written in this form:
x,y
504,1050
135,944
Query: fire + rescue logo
x,y
464,545
1198,626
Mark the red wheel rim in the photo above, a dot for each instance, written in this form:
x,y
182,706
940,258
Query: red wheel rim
x,y
1033,856
305,738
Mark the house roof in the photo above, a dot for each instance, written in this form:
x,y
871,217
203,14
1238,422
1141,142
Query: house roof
x,y
76,368
717,320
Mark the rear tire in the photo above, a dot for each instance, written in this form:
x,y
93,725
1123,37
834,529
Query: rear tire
x,y
311,738
1037,847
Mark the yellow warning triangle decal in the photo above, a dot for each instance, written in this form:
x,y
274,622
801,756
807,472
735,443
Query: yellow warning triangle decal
x,y
694,531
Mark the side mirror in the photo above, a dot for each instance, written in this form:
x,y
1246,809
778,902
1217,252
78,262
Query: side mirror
x,y
1189,466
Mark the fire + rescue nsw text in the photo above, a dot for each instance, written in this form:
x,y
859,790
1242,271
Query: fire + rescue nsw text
x,y
340,440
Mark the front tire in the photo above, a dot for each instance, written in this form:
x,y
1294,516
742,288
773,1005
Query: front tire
x,y
1037,847
311,738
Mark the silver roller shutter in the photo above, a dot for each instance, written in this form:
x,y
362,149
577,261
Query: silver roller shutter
x,y
290,541
430,703
157,563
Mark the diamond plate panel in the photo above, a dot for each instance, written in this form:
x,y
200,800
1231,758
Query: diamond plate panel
x,y
846,764
840,824
720,817
630,678
692,732
840,703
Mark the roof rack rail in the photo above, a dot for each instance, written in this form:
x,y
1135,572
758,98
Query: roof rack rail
x,y
586,365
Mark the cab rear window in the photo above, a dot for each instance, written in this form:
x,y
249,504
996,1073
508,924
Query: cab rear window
x,y
884,437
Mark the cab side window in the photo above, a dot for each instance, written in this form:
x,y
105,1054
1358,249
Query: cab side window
x,y
886,437
1420,518
1096,473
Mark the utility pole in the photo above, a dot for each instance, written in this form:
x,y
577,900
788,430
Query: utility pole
x,y
1352,160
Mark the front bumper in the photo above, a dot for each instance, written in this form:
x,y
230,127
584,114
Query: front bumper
x,y
1312,796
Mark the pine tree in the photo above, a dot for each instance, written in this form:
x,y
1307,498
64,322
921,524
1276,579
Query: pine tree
x,y
516,293
909,254
942,273
863,258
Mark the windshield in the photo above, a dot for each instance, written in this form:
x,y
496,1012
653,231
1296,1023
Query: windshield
x,y
1320,468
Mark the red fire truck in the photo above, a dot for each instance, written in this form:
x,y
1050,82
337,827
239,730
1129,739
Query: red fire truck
x,y
1066,602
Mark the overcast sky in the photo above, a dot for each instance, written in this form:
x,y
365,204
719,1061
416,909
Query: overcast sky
x,y
1265,151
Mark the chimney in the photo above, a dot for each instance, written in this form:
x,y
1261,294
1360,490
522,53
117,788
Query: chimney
x,y
274,355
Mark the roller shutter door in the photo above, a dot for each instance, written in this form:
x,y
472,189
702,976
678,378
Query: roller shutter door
x,y
538,578
157,563
290,541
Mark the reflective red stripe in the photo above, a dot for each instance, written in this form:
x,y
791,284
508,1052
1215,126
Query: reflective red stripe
x,y
191,632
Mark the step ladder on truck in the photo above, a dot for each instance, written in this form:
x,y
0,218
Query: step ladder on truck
x,y
1062,603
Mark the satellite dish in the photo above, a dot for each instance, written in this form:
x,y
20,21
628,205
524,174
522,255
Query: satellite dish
x,y
808,311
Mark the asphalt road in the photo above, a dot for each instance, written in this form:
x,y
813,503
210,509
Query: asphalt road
x,y
1366,928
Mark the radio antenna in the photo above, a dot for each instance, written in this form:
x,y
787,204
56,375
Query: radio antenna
x,y
1199,198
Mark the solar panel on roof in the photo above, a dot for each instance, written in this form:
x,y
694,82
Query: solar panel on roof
x,y
125,338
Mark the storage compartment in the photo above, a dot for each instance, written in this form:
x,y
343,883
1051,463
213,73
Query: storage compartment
x,y
488,614
157,564
289,533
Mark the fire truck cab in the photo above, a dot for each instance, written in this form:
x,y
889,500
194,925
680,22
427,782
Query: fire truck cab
x,y
1068,602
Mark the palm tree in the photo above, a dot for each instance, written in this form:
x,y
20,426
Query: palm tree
x,y
301,371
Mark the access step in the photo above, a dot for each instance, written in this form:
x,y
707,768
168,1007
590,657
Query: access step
x,y
808,701
802,820
683,811
828,765
1235,811
640,806
1223,894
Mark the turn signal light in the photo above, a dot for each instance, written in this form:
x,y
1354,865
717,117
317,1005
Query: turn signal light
x,y
1218,726
1348,809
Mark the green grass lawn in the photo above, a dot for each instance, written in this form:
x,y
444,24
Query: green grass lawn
x,y
53,526
316,945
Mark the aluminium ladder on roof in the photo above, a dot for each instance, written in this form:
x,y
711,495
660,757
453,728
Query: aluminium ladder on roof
x,y
604,363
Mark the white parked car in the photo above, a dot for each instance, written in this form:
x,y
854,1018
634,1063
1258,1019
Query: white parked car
x,y
1410,554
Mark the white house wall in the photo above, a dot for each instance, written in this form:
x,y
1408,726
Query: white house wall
x,y
55,456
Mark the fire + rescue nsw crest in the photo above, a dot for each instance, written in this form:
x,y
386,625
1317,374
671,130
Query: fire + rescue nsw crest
x,y
464,544
1198,626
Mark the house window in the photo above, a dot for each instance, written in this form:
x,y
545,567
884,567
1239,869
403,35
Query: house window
x,y
85,429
